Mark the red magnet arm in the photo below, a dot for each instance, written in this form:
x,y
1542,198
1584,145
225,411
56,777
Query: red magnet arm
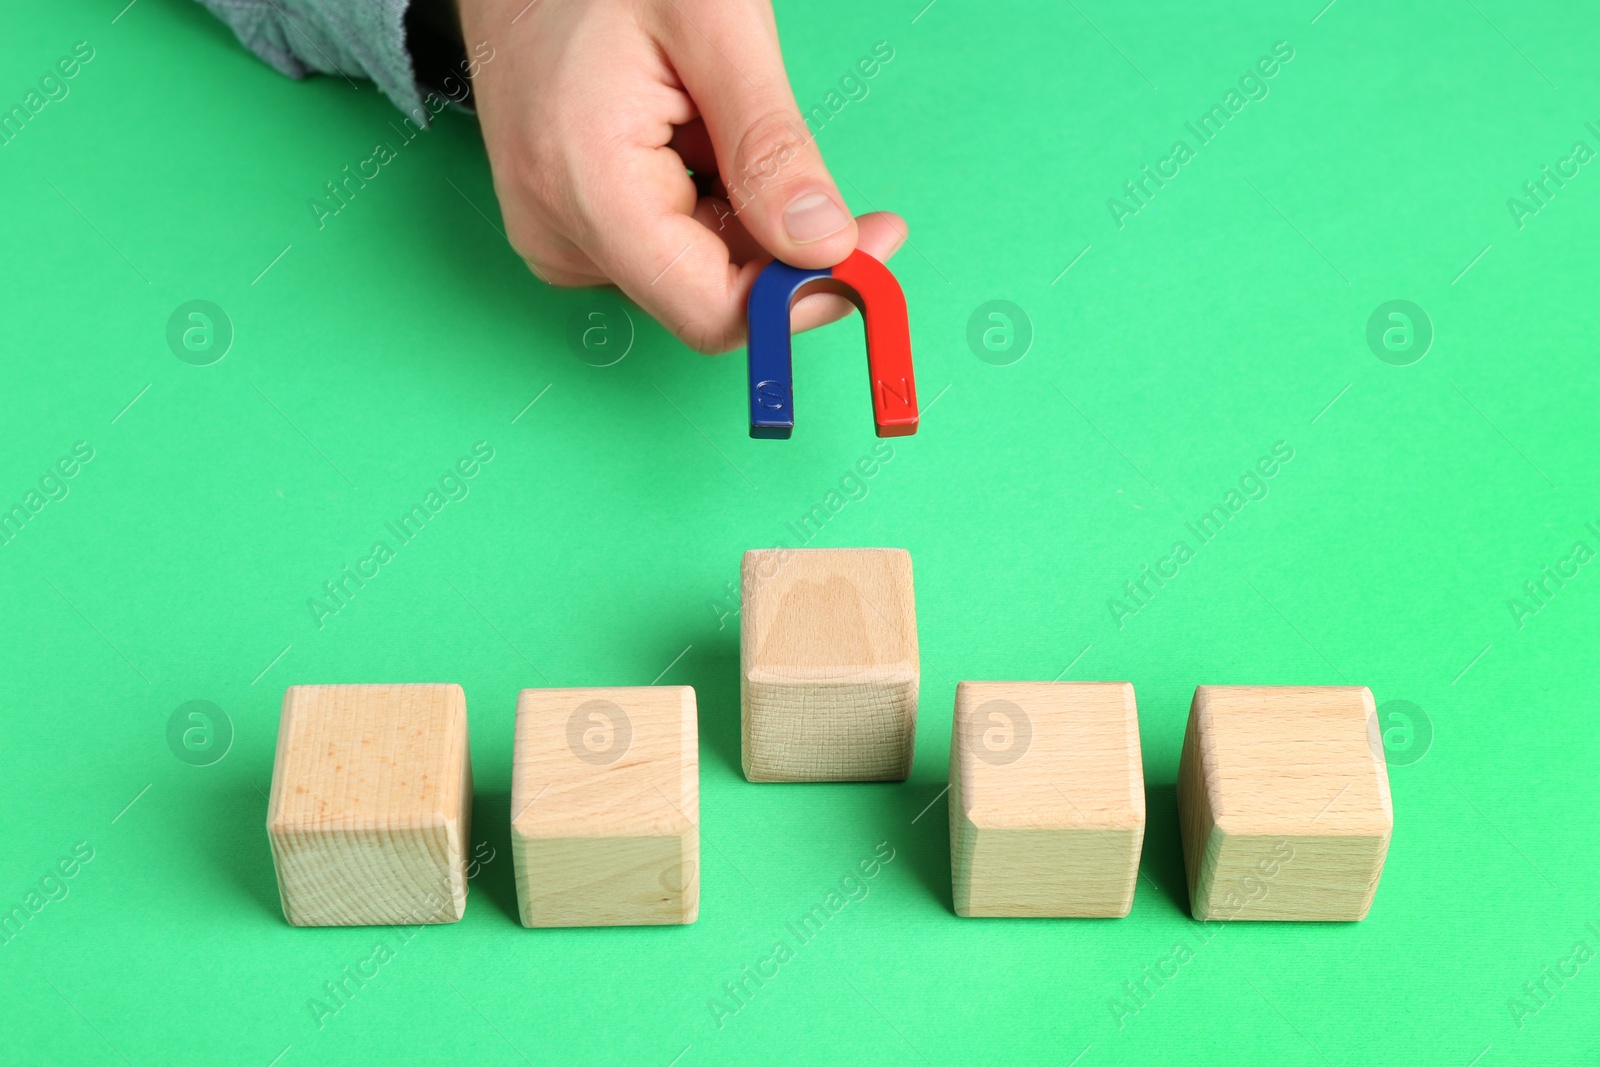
x,y
883,308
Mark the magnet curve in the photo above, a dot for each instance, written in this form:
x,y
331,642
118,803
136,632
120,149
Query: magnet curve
x,y
869,285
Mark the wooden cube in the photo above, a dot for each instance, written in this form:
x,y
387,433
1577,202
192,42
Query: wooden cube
x,y
829,669
605,806
1283,798
371,805
1046,799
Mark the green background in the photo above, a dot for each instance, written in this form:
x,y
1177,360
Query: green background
x,y
1226,316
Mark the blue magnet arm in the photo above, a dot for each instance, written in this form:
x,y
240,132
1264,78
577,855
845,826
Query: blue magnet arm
x,y
771,362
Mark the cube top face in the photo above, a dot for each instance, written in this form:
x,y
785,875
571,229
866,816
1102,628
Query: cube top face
x,y
1287,760
617,762
1049,755
820,615
355,757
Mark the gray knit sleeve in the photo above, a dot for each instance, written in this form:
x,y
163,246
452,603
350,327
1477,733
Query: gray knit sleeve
x,y
344,38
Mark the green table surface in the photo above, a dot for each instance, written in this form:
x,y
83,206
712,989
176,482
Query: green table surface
x,y
1168,349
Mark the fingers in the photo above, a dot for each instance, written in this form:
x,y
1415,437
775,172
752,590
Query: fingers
x,y
694,272
651,244
688,262
728,59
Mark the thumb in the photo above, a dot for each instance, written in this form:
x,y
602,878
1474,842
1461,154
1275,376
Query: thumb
x,y
729,61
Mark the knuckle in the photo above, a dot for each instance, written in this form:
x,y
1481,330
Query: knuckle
x,y
535,182
521,168
547,265
768,147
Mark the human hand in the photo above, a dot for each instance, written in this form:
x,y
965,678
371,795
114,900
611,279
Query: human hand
x,y
593,111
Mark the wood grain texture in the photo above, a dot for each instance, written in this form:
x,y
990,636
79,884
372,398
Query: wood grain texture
x,y
605,806
1047,807
1284,805
371,804
829,664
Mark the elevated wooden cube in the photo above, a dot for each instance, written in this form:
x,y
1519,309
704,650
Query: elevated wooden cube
x,y
829,668
605,806
371,807
1283,798
1046,799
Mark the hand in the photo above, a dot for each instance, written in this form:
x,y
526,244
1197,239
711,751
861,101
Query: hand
x,y
594,111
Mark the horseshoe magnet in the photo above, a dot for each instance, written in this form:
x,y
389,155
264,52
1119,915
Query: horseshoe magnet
x,y
868,284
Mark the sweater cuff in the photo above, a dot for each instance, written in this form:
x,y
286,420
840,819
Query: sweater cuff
x,y
344,38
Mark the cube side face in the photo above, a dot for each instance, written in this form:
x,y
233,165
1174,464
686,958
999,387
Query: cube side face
x,y
1088,874
606,806
1196,821
829,675
371,877
963,834
829,733
371,805
463,823
1293,879
607,881
1047,799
